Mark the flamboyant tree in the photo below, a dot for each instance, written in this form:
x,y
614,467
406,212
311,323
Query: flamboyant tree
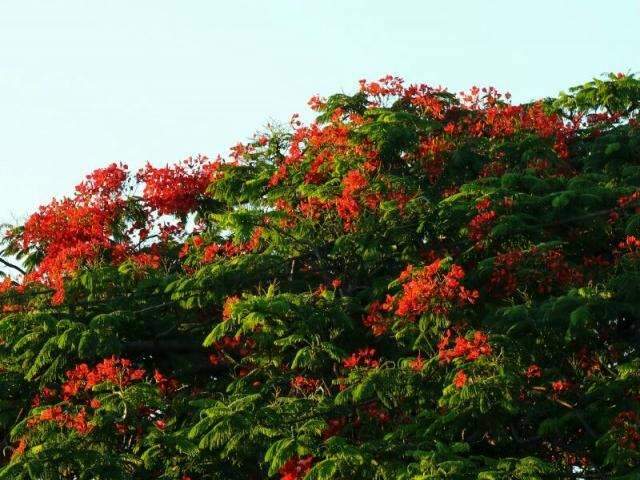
x,y
418,285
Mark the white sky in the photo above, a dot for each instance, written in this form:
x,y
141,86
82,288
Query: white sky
x,y
84,83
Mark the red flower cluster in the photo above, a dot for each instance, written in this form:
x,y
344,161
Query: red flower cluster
x,y
560,386
533,371
347,204
147,260
385,87
176,189
460,380
228,345
417,364
628,424
227,308
104,185
469,349
118,371
431,154
362,358
548,269
375,318
334,427
305,384
631,199
353,182
166,385
20,449
46,394
373,411
588,362
211,252
430,290
313,207
504,280
424,290
6,285
296,468
556,271
77,421
77,231
74,230
507,120
68,233
321,142
482,222
630,244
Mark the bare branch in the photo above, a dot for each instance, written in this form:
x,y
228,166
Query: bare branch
x,y
11,265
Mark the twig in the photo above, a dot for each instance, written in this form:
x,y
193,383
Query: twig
x,y
11,265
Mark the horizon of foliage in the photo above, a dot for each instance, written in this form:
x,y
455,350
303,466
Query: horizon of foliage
x,y
417,285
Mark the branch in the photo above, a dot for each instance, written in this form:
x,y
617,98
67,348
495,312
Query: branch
x,y
586,426
173,346
154,307
11,265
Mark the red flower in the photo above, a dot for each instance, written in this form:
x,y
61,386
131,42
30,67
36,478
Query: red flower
x,y
470,349
480,224
560,386
6,284
362,358
227,308
417,364
631,244
79,423
150,260
375,319
348,210
460,380
533,371
334,426
305,384
215,359
296,468
312,207
353,182
55,414
176,189
628,428
166,385
429,290
20,449
376,413
103,185
114,370
627,200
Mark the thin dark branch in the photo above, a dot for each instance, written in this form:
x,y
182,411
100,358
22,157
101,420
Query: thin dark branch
x,y
155,307
586,426
174,346
11,265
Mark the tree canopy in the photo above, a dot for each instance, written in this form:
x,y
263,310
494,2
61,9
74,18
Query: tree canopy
x,y
416,285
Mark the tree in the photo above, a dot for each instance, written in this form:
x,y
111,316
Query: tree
x,y
418,285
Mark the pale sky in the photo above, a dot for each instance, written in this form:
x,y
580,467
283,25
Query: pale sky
x,y
86,83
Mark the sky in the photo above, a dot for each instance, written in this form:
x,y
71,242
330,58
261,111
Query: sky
x,y
87,83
